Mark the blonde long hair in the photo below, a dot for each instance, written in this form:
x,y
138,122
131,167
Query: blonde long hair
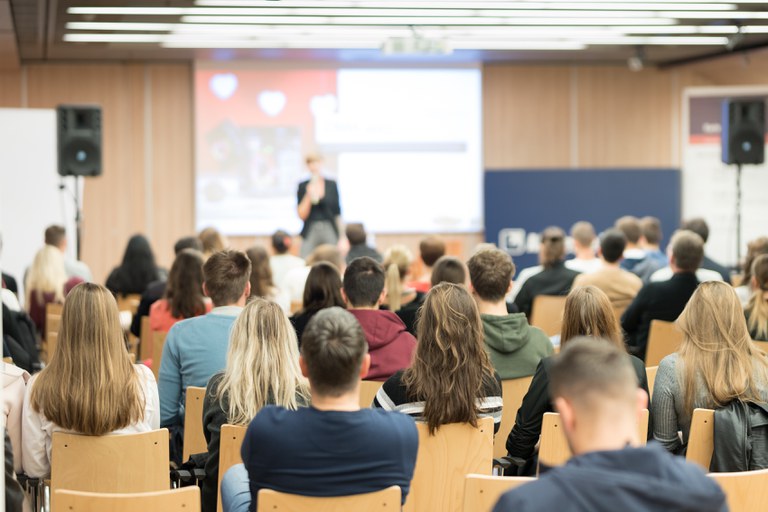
x,y
46,275
758,304
262,363
717,349
90,385
397,263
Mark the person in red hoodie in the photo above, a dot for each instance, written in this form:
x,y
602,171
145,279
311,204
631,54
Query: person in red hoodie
x,y
389,343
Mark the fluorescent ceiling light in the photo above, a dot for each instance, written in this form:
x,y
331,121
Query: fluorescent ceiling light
x,y
478,21
626,5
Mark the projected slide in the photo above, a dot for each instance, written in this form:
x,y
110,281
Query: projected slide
x,y
403,144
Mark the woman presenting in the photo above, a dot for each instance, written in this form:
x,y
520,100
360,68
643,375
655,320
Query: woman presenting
x,y
319,208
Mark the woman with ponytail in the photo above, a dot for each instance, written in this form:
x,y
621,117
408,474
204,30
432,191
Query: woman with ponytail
x,y
757,308
404,301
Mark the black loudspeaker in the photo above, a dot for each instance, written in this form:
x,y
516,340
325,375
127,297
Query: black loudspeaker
x,y
79,140
743,132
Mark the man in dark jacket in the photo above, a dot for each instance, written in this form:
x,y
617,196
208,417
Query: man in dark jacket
x,y
594,388
389,343
358,244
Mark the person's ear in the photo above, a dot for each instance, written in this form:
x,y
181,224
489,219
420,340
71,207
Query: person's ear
x,y
567,416
382,297
753,282
205,290
509,288
642,400
247,291
303,366
344,296
366,366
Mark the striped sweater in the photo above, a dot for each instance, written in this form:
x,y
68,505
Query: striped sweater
x,y
393,396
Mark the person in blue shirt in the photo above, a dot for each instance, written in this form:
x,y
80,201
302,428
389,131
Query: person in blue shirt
x,y
196,348
332,448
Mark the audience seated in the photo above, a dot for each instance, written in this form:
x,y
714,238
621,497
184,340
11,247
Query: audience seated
x,y
699,226
449,269
262,284
282,261
183,295
401,298
594,388
262,369
89,386
390,345
296,279
554,279
196,348
333,447
137,270
619,285
757,309
213,241
650,238
323,290
755,248
633,253
664,300
14,386
451,379
584,261
588,312
46,282
57,237
515,348
358,243
431,249
156,289
716,363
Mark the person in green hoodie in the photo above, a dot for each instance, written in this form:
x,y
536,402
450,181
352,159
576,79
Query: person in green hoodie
x,y
514,346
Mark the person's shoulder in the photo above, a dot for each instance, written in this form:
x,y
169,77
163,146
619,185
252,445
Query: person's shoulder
x,y
388,423
669,362
144,373
271,418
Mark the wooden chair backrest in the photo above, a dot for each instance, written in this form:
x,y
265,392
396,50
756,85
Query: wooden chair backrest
x,y
52,324
368,390
8,360
554,449
701,440
158,341
762,345
186,499
386,500
512,391
443,460
664,338
745,491
296,306
230,442
618,312
194,439
481,492
50,345
128,303
547,313
124,463
146,339
650,374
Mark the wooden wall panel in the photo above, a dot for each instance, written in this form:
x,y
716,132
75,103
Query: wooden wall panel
x,y
624,118
526,116
10,89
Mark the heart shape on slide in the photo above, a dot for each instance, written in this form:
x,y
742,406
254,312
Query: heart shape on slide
x,y
272,102
223,85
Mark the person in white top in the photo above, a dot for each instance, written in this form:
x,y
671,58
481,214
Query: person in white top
x,y
90,386
296,279
585,261
282,261
14,384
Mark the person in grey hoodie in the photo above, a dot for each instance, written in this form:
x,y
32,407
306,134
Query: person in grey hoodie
x,y
594,388
515,348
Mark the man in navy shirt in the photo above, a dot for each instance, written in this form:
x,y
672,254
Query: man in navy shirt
x,y
332,448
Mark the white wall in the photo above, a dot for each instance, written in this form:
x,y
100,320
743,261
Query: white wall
x,y
30,198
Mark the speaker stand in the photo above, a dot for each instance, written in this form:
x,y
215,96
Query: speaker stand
x,y
78,217
738,215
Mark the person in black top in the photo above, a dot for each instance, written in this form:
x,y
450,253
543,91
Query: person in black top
x,y
322,290
358,244
664,300
554,279
319,208
137,270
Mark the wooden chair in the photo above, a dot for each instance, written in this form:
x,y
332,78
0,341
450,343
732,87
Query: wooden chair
x,y
8,360
481,492
125,463
512,391
368,390
194,439
52,324
186,499
386,500
650,374
158,342
745,491
618,312
701,440
664,338
296,306
145,339
230,442
547,313
443,460
554,449
762,345
128,303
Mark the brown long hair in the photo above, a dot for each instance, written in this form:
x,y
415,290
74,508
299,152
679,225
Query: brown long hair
x,y
717,350
184,292
90,385
757,308
261,273
588,312
450,365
